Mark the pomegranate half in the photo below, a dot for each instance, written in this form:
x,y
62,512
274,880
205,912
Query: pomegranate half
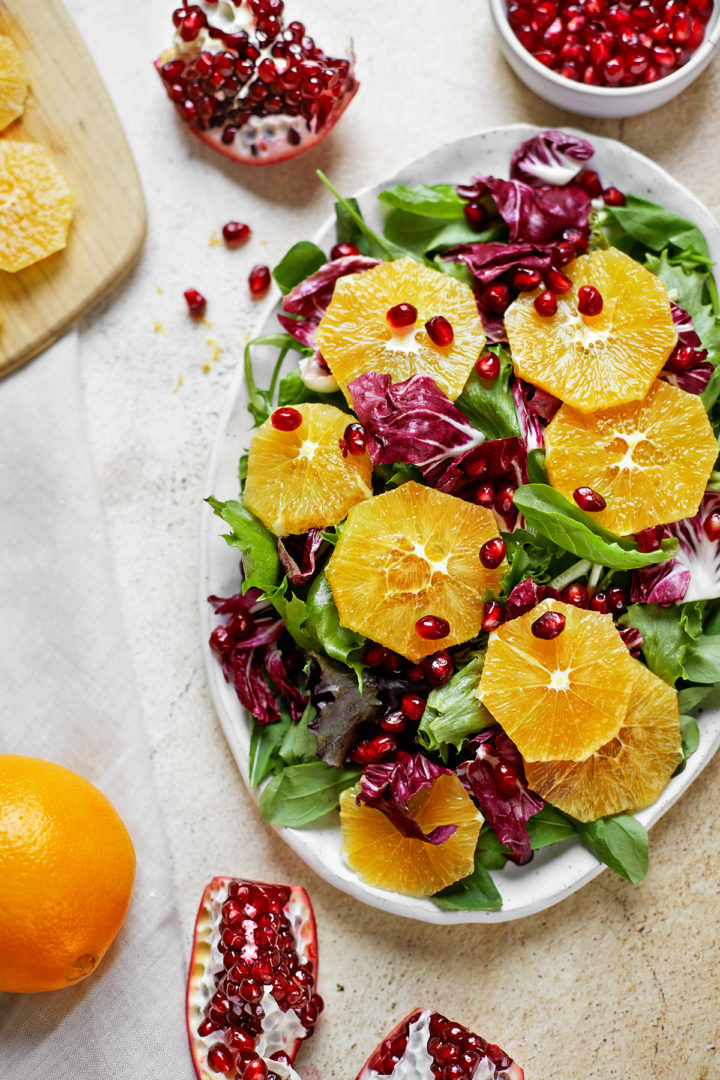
x,y
250,86
251,990
428,1046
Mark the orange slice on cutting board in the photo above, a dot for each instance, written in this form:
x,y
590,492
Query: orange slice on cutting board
x,y
36,205
14,82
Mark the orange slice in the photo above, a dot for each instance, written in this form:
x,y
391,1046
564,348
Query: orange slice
x,y
14,82
383,857
355,337
407,554
650,460
558,699
592,362
631,770
299,480
36,205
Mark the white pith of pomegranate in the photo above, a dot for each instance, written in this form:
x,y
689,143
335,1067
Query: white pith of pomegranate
x,y
251,995
249,86
428,1046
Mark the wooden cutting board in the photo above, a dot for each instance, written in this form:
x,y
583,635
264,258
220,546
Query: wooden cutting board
x,y
69,110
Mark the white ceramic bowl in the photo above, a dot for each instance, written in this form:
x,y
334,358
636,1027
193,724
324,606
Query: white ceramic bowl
x,y
602,101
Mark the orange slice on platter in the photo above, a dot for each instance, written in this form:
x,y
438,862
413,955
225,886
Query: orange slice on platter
x,y
628,772
14,81
650,460
593,362
383,857
563,698
298,479
355,337
36,205
408,554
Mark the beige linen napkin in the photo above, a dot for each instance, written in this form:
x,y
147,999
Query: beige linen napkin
x,y
68,694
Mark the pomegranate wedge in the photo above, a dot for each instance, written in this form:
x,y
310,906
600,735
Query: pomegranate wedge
x,y
428,1046
250,86
251,991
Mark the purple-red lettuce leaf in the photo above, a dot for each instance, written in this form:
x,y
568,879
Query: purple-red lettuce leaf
x,y
633,639
534,215
495,777
298,555
531,425
390,787
694,573
489,261
500,462
693,379
309,300
551,158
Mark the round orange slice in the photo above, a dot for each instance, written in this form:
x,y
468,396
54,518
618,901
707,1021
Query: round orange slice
x,y
593,362
411,553
631,770
299,480
649,460
14,82
355,337
563,698
36,205
383,857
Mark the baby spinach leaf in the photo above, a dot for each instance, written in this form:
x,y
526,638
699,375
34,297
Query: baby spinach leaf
x,y
621,842
490,852
536,467
453,712
346,214
426,200
421,235
556,518
690,733
302,260
548,827
293,391
257,544
477,892
655,227
299,744
265,741
489,404
667,633
303,793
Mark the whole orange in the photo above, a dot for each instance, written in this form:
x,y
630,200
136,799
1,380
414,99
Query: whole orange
x,y
67,865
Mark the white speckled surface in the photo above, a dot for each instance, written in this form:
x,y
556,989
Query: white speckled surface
x,y
615,982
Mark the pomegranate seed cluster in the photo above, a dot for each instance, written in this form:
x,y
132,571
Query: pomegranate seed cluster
x,y
259,953
601,43
456,1052
277,71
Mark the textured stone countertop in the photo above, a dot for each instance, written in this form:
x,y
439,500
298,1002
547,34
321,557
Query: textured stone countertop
x,y
616,982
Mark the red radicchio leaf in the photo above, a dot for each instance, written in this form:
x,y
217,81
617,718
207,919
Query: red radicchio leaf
x,y
298,555
507,806
257,658
388,788
311,297
487,262
535,215
695,378
694,574
502,462
551,157
632,638
526,595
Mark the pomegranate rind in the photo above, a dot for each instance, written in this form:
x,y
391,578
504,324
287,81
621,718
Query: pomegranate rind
x,y
595,362
570,692
629,772
299,480
355,337
485,1069
408,553
650,460
14,82
383,857
204,963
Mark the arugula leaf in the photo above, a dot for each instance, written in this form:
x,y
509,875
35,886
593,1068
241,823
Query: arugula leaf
x,y
667,633
489,405
548,827
303,793
690,733
265,741
621,842
379,246
302,260
427,200
335,640
571,529
453,712
477,892
261,565
346,229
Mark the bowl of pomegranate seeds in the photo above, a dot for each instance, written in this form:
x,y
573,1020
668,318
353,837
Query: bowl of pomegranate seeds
x,y
607,58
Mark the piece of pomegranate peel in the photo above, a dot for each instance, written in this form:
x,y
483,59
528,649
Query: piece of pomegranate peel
x,y
256,90
251,995
426,1045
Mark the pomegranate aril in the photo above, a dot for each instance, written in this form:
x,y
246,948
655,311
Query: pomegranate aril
x,y
546,304
599,602
525,280
196,302
374,655
401,316
439,669
504,500
256,1069
549,625
711,526
649,539
219,1059
235,233
496,297
494,615
589,500
432,627
368,752
612,196
590,301
394,723
343,250
259,280
413,706
206,1027
588,179
485,496
440,331
492,553
476,216
577,595
286,418
221,642
556,281
617,600
488,366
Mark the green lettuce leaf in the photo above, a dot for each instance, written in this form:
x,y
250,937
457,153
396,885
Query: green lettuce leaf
x,y
265,742
301,794
257,544
667,633
335,640
302,260
453,712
